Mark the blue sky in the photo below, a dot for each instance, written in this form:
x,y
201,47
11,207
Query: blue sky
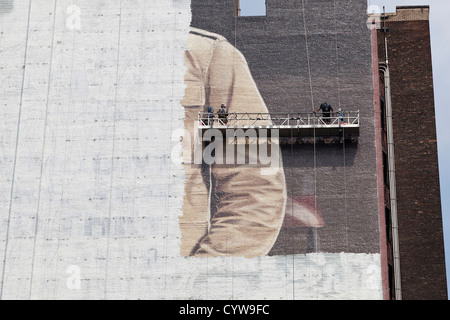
x,y
440,42
253,7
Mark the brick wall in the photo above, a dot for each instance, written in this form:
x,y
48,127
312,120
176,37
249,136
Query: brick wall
x,y
342,178
419,206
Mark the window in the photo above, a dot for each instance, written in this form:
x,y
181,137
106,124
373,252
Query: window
x,y
249,8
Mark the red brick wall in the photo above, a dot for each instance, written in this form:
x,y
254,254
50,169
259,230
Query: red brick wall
x,y
417,174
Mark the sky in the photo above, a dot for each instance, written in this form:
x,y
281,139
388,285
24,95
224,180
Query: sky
x,y
440,40
253,7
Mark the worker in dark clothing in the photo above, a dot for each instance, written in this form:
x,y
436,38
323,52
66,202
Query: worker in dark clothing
x,y
210,116
326,112
223,114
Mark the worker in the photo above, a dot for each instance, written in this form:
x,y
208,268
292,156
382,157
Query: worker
x,y
326,112
210,116
223,114
227,210
341,115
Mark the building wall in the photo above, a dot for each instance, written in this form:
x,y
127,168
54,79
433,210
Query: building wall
x,y
93,187
296,73
419,205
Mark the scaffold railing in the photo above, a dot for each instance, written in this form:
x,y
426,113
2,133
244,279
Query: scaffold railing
x,y
279,120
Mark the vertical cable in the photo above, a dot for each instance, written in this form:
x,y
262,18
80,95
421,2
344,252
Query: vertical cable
x,y
113,151
307,54
232,229
312,108
337,55
43,149
174,46
15,152
292,219
63,180
343,128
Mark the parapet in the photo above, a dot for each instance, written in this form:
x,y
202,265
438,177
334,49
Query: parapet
x,y
409,13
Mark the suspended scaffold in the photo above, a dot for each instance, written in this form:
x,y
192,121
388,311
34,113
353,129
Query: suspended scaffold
x,y
301,124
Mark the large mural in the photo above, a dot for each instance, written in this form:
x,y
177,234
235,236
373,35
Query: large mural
x,y
247,211
116,182
299,64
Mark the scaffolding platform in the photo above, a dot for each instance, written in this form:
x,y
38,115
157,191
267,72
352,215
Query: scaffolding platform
x,y
310,124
